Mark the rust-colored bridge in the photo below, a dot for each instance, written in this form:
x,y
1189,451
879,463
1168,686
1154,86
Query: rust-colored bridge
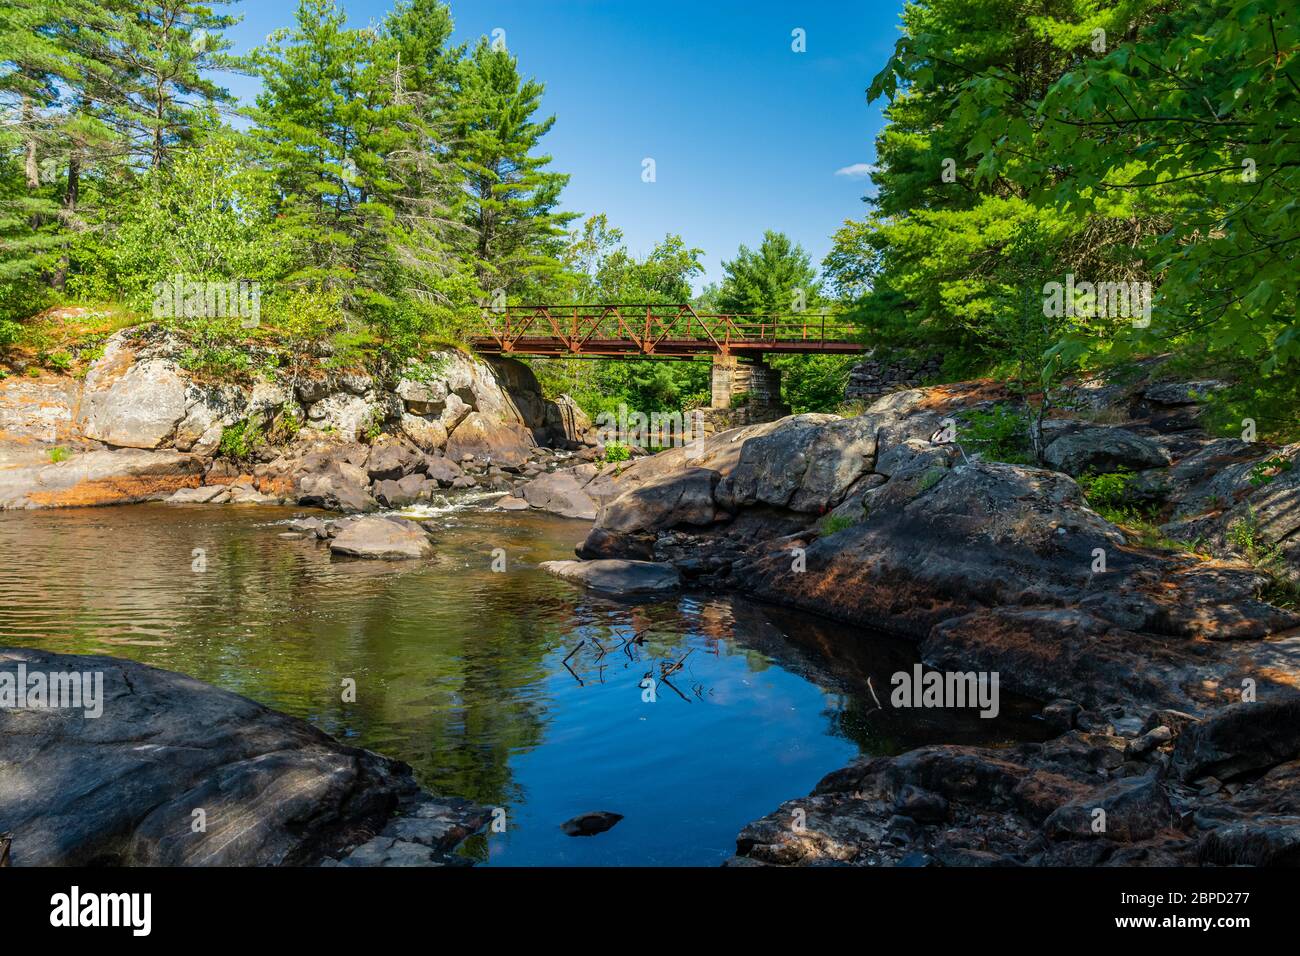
x,y
603,331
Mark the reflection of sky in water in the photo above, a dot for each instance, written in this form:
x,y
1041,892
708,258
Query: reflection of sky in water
x,y
460,670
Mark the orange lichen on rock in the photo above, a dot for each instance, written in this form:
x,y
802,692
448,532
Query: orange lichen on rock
x,y
939,398
115,491
283,486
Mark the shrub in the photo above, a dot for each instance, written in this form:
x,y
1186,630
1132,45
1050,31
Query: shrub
x,y
1108,490
374,426
616,451
1000,433
57,361
241,440
59,454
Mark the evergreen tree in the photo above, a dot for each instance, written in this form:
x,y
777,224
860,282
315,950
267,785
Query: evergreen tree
x,y
517,234
776,277
329,118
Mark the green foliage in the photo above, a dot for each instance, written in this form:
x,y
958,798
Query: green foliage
x,y
511,199
59,454
616,451
1162,154
1247,539
1108,490
241,440
776,277
1000,433
373,426
361,181
836,523
56,361
1265,471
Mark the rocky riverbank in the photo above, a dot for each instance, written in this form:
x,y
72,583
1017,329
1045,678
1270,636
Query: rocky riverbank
x,y
1007,569
1167,657
175,772
141,426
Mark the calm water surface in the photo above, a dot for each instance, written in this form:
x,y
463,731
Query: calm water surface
x,y
461,671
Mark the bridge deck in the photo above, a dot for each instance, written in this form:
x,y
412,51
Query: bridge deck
x,y
658,330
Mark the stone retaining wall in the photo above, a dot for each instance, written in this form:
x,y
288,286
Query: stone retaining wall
x,y
878,376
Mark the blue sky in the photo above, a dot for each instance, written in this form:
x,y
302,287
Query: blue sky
x,y
746,134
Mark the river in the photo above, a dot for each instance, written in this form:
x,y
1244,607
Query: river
x,y
470,674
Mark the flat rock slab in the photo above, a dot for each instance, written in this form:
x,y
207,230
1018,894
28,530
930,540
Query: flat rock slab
x,y
198,496
86,479
126,788
617,576
382,538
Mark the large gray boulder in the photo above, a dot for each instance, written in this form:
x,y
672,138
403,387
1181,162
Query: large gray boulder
x,y
805,465
617,576
127,788
663,501
338,486
427,433
393,458
130,403
1241,739
504,443
1102,450
442,470
404,491
382,538
560,493
342,414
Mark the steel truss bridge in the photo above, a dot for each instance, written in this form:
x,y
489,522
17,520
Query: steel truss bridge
x,y
661,331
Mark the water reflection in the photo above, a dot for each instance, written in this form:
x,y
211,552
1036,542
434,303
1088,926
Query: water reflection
x,y
514,689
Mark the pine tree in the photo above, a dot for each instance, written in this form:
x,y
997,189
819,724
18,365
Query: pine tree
x,y
511,211
330,118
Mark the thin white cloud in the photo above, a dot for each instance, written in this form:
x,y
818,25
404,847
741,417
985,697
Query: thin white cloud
x,y
856,171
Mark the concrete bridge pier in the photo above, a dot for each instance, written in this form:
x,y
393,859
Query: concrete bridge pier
x,y
745,392
756,381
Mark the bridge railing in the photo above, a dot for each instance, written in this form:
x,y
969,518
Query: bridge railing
x,y
649,328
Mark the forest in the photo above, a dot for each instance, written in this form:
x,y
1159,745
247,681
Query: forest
x,y
387,183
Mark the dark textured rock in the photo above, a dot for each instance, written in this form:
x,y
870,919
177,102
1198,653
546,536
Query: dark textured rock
x,y
122,789
589,824
338,486
921,805
443,470
1102,450
392,459
1239,739
1128,810
406,491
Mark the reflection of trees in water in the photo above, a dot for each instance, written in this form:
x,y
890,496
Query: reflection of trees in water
x,y
454,664
857,664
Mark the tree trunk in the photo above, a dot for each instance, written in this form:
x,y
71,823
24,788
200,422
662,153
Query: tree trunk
x,y
31,168
60,278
